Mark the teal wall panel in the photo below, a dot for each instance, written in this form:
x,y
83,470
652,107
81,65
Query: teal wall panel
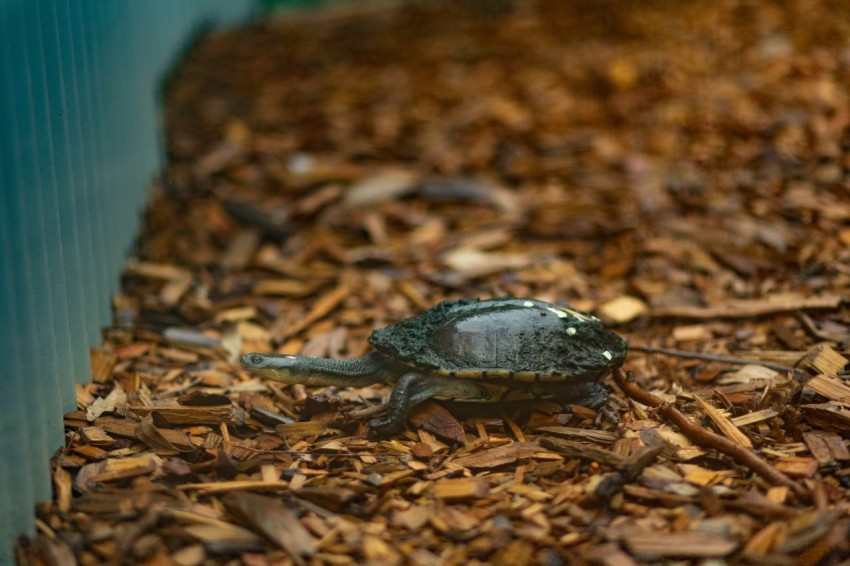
x,y
79,144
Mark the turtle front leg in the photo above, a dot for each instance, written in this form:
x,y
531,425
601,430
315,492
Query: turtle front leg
x,y
413,388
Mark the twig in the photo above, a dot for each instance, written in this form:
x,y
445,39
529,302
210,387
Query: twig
x,y
705,437
751,308
712,357
812,328
318,451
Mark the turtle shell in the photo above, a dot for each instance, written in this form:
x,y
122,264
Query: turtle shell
x,y
506,338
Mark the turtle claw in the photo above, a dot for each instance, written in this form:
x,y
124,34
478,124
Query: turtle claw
x,y
384,427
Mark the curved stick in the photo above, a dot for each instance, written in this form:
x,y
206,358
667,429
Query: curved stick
x,y
703,436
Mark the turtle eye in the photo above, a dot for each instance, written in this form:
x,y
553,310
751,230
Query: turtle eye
x,y
256,359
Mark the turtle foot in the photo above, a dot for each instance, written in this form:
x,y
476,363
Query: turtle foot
x,y
388,426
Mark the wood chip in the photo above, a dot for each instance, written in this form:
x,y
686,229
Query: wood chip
x,y
102,363
188,415
798,467
436,419
830,387
283,287
578,450
828,448
155,270
498,456
114,469
209,488
461,488
227,539
590,435
727,428
652,545
320,309
623,309
754,417
275,522
825,360
174,289
241,250
96,436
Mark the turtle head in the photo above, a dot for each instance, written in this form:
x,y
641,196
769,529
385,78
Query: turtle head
x,y
276,367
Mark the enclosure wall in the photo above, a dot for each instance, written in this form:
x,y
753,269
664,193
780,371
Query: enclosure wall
x,y
79,142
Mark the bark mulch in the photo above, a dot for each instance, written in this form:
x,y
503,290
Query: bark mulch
x,y
681,170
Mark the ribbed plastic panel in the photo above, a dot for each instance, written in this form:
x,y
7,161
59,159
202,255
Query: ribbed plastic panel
x,y
79,143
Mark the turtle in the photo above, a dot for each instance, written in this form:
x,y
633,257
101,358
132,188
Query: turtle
x,y
471,350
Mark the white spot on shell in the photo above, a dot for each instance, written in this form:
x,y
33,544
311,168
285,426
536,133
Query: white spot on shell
x,y
289,357
528,304
558,313
571,331
608,355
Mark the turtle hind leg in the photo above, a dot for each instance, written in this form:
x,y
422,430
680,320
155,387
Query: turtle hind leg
x,y
590,394
413,388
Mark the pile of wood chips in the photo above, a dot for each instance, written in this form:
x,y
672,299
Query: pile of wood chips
x,y
679,169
